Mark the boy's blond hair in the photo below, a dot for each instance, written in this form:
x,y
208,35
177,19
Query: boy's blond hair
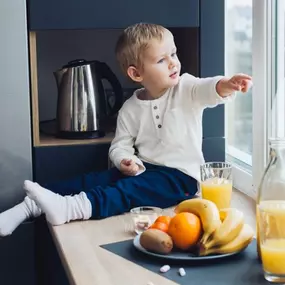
x,y
133,42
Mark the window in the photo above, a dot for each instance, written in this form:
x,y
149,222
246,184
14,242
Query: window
x,y
254,44
238,59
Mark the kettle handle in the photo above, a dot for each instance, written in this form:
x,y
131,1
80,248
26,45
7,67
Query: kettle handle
x,y
108,74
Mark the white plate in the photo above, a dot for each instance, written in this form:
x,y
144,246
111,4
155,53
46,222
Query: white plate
x,y
177,255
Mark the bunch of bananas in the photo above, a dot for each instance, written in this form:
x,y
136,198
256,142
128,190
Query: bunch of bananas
x,y
223,231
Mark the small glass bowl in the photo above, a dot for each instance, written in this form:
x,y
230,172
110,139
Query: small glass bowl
x,y
143,217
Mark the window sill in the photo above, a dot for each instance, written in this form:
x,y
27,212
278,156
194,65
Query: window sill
x,y
247,205
242,181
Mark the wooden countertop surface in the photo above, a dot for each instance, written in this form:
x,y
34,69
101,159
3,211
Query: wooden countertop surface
x,y
86,263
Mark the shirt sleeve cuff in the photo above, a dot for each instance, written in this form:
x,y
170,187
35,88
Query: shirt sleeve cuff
x,y
141,166
219,99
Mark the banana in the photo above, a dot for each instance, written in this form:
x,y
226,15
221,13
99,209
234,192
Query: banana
x,y
229,229
206,210
243,239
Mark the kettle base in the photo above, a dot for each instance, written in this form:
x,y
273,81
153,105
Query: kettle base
x,y
80,135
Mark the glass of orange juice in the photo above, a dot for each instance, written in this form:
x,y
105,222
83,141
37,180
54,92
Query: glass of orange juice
x,y
271,226
216,183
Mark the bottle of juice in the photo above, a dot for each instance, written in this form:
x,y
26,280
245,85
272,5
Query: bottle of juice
x,y
272,188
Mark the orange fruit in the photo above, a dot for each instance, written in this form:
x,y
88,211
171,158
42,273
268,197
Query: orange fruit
x,y
185,230
163,219
159,226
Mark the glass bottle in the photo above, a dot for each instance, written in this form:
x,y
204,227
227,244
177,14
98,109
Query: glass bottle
x,y
272,185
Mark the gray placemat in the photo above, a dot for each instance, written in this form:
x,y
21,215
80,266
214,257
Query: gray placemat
x,y
241,269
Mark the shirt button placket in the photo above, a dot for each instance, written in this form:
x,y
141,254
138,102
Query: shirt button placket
x,y
157,117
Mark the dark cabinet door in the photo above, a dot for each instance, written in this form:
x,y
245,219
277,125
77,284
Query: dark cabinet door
x,y
212,62
92,14
62,162
50,270
17,262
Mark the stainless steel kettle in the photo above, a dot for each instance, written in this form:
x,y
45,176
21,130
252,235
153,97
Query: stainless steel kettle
x,y
82,103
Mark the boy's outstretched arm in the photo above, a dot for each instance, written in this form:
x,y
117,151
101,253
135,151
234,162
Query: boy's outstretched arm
x,y
210,91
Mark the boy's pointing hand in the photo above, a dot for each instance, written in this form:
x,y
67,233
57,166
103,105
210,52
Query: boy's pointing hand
x,y
239,82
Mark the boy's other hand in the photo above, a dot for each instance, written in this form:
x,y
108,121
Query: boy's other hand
x,y
129,167
239,82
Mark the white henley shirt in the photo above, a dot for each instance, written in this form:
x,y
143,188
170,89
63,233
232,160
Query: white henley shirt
x,y
166,131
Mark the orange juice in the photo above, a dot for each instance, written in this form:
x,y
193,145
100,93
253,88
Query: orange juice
x,y
217,190
271,236
272,216
273,256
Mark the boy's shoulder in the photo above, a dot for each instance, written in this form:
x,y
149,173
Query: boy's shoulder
x,y
130,103
186,81
187,78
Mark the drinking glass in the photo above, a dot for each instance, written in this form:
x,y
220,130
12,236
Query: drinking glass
x,y
216,183
143,217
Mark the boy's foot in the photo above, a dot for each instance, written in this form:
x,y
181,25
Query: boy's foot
x,y
12,218
59,209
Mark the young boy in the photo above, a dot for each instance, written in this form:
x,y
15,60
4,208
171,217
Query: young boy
x,y
162,121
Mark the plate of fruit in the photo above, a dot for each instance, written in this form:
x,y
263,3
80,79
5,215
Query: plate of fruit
x,y
198,230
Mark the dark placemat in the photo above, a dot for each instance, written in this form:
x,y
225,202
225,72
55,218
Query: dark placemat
x,y
241,269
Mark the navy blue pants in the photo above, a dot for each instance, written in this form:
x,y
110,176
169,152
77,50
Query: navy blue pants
x,y
112,193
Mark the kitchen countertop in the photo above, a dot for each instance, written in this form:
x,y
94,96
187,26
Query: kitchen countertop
x,y
86,263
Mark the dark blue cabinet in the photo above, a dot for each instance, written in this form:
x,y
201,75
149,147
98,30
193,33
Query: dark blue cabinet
x,y
198,28
62,162
17,262
50,270
102,14
212,51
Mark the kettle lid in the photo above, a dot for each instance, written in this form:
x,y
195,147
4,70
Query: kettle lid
x,y
77,63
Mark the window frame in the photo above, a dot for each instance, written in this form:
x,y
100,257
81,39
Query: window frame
x,y
277,118
245,180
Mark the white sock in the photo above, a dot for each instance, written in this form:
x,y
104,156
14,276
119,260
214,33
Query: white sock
x,y
12,218
59,209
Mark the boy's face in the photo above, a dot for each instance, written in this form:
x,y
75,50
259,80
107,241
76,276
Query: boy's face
x,y
161,66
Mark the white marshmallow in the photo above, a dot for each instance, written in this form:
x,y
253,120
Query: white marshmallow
x,y
182,272
164,268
